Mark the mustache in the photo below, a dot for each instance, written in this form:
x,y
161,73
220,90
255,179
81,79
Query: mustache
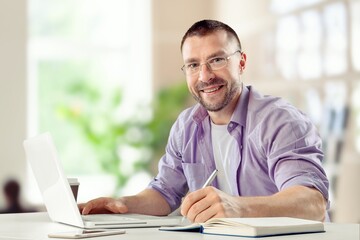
x,y
214,81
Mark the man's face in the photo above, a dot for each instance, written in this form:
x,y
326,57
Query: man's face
x,y
214,89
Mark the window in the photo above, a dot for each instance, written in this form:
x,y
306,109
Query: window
x,y
335,58
287,45
355,30
310,59
85,56
318,48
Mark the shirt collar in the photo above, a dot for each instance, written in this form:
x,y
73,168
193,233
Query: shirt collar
x,y
239,115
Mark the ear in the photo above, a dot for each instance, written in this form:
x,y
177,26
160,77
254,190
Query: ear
x,y
242,61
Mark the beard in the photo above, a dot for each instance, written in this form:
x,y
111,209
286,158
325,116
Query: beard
x,y
232,88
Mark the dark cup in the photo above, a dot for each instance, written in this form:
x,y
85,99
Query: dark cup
x,y
74,185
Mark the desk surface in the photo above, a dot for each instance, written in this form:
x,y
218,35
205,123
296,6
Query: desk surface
x,y
27,226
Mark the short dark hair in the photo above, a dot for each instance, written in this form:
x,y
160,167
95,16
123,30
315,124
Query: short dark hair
x,y
205,27
12,189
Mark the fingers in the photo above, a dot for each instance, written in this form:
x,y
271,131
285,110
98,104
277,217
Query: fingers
x,y
190,200
103,205
200,205
94,206
200,212
81,206
205,215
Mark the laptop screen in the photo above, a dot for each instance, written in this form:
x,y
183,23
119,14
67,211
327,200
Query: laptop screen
x,y
43,158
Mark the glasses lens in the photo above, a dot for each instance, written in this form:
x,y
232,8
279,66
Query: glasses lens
x,y
217,63
191,69
213,64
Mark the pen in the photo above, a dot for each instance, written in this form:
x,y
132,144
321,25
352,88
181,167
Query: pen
x,y
207,183
210,179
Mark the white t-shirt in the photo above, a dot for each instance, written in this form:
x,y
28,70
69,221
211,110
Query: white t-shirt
x,y
223,143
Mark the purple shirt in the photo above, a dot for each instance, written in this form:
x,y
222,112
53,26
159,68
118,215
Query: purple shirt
x,y
279,148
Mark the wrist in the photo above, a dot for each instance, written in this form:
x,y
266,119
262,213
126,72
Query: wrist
x,y
253,207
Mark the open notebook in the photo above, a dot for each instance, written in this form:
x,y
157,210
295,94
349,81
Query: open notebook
x,y
253,227
58,198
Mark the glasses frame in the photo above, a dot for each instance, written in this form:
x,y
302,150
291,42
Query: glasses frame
x,y
183,68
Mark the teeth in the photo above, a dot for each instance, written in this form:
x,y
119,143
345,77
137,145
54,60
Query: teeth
x,y
211,90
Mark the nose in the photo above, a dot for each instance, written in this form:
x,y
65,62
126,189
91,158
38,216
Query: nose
x,y
205,73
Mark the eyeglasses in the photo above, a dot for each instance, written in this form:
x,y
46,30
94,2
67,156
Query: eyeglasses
x,y
213,64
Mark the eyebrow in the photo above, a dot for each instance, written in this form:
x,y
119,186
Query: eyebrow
x,y
215,54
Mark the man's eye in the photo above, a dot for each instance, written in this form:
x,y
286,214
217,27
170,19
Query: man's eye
x,y
217,60
192,65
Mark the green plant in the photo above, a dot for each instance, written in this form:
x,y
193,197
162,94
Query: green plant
x,y
168,103
108,135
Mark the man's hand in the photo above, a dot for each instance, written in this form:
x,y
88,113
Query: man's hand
x,y
296,201
103,205
207,203
149,202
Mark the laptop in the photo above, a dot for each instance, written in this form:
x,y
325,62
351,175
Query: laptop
x,y
59,200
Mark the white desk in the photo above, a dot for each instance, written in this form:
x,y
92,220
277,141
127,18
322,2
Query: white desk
x,y
27,226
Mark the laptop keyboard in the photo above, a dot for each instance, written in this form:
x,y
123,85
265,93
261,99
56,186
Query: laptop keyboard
x,y
106,217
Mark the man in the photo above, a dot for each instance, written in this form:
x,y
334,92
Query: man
x,y
267,152
11,190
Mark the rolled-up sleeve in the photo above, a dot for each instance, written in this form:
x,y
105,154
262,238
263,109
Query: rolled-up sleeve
x,y
170,181
294,153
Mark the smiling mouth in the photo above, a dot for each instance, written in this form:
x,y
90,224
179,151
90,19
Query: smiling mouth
x,y
211,90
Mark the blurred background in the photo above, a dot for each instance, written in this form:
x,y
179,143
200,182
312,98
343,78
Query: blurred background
x,y
103,76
